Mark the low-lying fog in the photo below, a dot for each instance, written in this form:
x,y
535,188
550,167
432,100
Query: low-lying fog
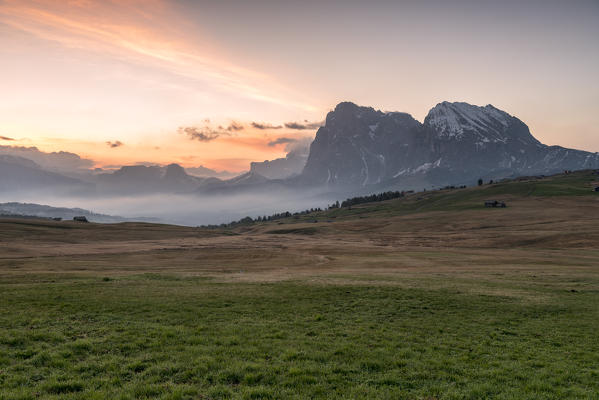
x,y
183,209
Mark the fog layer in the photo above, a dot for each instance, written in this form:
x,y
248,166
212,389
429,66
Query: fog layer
x,y
181,209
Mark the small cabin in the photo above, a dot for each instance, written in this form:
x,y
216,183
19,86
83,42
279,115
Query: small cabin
x,y
80,219
495,204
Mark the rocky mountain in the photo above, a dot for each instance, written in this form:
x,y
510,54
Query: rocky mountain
x,y
280,168
148,179
204,172
457,143
140,179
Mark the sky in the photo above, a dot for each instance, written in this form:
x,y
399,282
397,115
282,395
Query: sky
x,y
223,83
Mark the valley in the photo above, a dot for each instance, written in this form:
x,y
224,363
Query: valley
x,y
428,296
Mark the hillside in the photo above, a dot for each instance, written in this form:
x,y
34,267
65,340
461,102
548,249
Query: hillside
x,y
555,211
561,208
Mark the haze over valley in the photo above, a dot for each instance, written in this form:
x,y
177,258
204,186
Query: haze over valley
x,y
358,150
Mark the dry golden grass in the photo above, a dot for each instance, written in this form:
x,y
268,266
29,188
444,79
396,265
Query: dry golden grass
x,y
536,239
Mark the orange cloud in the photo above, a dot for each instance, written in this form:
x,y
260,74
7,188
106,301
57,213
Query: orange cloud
x,y
232,153
263,143
145,32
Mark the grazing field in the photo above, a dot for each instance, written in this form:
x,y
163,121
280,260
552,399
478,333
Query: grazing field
x,y
427,297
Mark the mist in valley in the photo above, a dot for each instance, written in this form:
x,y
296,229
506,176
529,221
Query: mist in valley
x,y
180,209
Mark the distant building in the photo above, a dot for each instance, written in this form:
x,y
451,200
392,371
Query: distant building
x,y
80,219
495,204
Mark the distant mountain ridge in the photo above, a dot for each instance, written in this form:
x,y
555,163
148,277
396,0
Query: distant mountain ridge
x,y
18,174
44,211
358,150
147,179
457,143
203,172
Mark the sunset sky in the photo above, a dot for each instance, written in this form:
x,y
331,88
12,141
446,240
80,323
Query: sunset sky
x,y
216,83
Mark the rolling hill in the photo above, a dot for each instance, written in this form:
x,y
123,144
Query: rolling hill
x,y
431,295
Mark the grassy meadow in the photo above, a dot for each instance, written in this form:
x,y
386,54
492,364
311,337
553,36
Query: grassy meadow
x,y
427,297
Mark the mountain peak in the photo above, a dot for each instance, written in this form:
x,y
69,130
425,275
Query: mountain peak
x,y
458,119
346,108
346,105
347,112
175,171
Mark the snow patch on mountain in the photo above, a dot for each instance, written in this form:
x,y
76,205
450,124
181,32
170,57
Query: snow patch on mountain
x,y
419,169
454,119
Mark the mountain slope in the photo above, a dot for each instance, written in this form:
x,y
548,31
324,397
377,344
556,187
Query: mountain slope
x,y
362,146
280,168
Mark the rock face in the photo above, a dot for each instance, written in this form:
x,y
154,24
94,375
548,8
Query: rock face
x,y
281,168
457,143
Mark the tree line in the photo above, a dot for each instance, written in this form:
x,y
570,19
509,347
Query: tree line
x,y
372,198
345,203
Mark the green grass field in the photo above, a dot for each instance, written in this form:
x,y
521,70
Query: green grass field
x,y
154,336
355,309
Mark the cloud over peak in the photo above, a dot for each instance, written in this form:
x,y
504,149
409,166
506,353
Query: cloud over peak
x,y
303,125
281,140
